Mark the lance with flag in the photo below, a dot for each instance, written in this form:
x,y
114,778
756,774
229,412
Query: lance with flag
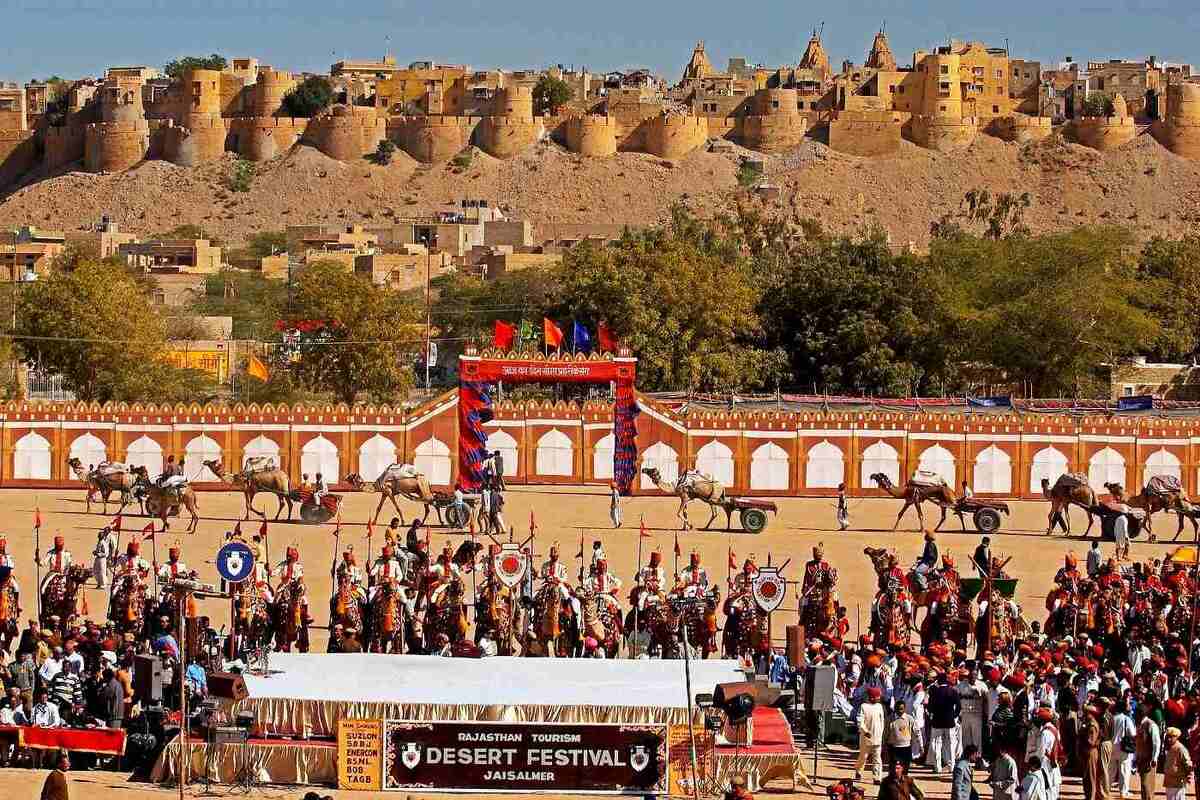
x,y
37,554
148,533
643,534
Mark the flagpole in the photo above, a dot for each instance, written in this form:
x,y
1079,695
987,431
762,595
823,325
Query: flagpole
x,y
337,540
370,537
154,554
37,556
634,632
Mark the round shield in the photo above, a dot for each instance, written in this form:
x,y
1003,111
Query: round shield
x,y
235,562
510,564
769,589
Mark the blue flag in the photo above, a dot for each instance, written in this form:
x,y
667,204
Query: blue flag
x,y
581,340
989,402
1144,402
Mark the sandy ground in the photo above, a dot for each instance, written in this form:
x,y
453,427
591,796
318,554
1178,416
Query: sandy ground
x,y
562,515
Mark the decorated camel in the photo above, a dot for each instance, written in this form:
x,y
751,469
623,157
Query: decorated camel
x,y
108,477
1161,493
166,501
10,609
691,486
885,563
915,493
1071,489
258,476
398,480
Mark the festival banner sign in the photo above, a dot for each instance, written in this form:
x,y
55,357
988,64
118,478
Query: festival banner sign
x,y
527,757
360,754
490,370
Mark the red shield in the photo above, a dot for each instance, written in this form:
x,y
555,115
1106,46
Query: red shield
x,y
769,589
510,564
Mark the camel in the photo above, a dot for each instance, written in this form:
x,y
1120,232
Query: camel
x,y
161,502
694,486
1065,494
264,481
914,494
119,481
1151,503
404,482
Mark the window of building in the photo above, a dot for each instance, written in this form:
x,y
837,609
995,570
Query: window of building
x,y
941,108
1129,390
995,109
999,73
1016,73
891,90
978,72
900,90
800,105
945,70
774,104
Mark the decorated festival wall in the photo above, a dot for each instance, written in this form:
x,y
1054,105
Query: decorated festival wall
x,y
794,453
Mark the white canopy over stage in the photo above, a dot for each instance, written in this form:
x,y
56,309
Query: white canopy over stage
x,y
306,693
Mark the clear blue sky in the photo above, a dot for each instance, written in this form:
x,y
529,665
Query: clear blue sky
x,y
81,37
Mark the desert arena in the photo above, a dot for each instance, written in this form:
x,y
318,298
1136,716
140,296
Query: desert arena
x,y
566,515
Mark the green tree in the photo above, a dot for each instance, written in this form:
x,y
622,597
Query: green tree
x,y
1169,289
384,152
998,216
175,69
254,302
465,308
96,327
684,298
1046,311
312,96
550,94
267,243
1097,104
853,316
373,333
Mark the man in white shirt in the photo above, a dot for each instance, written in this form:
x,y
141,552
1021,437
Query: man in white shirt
x,y
1094,560
973,694
51,666
1121,765
72,655
1033,787
44,714
870,734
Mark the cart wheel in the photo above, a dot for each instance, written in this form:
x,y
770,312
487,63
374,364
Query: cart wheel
x,y
754,519
987,520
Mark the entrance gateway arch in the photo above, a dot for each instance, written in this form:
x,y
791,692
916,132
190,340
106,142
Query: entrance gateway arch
x,y
479,373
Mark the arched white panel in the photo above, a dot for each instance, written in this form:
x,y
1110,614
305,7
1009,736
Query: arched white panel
x,y
769,468
602,458
1106,466
432,460
880,457
1048,463
197,451
555,454
940,460
31,457
507,445
261,446
993,471
374,456
90,450
826,467
1163,462
145,452
320,455
715,459
663,457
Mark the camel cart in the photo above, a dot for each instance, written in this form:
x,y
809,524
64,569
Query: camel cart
x,y
751,513
984,513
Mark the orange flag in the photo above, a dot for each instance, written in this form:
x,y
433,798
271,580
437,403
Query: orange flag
x,y
644,533
552,333
677,544
37,518
732,560
149,531
262,529
370,528
257,369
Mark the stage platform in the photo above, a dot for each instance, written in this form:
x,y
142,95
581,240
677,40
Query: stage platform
x,y
267,761
771,756
307,693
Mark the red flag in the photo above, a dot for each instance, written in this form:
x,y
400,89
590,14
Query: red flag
x,y
552,333
37,518
644,534
677,544
149,531
503,334
605,338
370,528
262,529
116,523
732,560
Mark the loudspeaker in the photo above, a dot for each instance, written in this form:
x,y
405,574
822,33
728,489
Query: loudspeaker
x,y
727,691
795,645
147,679
227,685
818,687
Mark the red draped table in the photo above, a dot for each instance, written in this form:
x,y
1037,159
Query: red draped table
x,y
106,741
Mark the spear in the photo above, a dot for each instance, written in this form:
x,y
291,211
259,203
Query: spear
x,y
37,554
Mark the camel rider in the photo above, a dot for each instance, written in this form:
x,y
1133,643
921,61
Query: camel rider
x,y
743,583
131,563
597,556
288,570
649,582
319,489
56,560
174,568
893,582
950,573
928,561
172,478
6,560
1110,575
818,576
1068,577
693,574
554,572
441,574
262,573
606,587
386,568
348,567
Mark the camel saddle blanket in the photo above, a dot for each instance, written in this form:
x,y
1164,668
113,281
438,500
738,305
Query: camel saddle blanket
x,y
400,472
1071,480
1164,485
256,464
106,469
925,478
